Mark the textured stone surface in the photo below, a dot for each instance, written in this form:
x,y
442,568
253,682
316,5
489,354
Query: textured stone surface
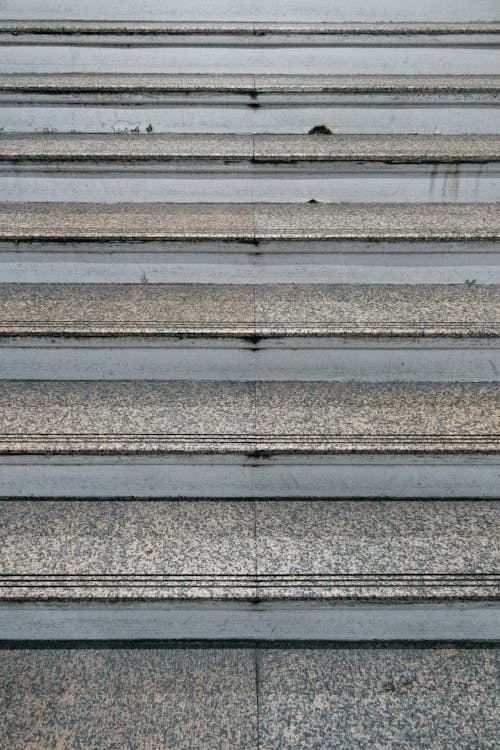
x,y
348,309
359,415
262,148
128,699
379,699
365,550
377,84
219,417
243,310
249,222
126,147
174,28
140,221
357,698
371,221
391,549
249,84
125,82
127,308
390,148
126,549
75,415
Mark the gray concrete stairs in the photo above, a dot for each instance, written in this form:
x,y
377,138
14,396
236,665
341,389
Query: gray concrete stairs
x,y
249,357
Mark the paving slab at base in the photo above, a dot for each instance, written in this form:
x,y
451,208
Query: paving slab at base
x,y
241,698
128,699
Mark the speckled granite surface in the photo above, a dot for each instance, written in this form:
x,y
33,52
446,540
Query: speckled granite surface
x,y
41,147
64,83
215,417
379,699
249,222
250,310
126,699
266,550
358,698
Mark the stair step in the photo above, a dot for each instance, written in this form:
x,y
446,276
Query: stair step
x,y
250,243
248,419
416,48
232,103
226,149
246,311
243,332
179,168
238,551
250,223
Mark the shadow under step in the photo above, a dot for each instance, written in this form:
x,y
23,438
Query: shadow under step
x,y
239,168
250,243
243,439
270,570
249,332
232,103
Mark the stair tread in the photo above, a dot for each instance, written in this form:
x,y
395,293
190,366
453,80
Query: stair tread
x,y
248,418
282,148
462,310
249,222
247,84
116,549
77,27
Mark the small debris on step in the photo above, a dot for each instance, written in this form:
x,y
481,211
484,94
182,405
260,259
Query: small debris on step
x,y
320,130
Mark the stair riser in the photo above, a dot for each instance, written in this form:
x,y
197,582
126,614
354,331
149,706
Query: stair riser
x,y
429,360
261,622
254,10
298,55
229,477
265,263
204,182
451,114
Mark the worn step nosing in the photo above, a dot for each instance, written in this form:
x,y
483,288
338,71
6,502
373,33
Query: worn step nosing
x,y
246,84
248,222
121,148
152,28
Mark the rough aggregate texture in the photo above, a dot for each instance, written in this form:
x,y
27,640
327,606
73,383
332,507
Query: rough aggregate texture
x,y
358,698
29,147
215,417
379,699
127,699
249,222
164,549
247,84
241,310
